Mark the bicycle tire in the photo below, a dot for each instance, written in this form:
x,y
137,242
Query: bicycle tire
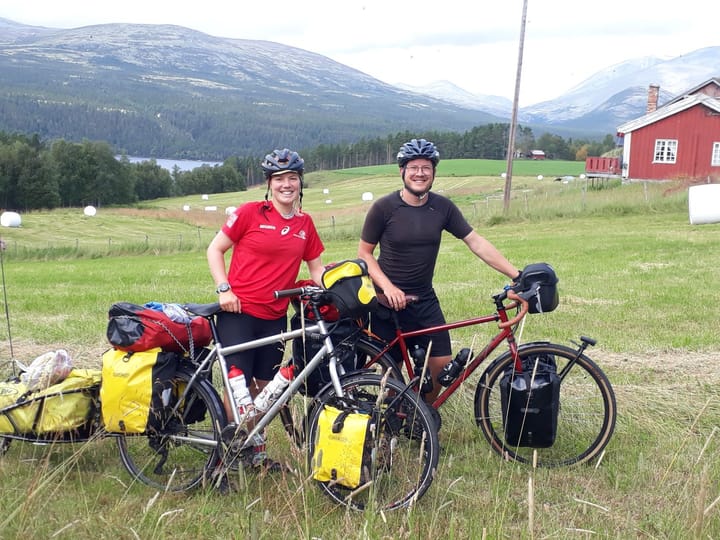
x,y
587,413
405,447
4,445
365,350
164,462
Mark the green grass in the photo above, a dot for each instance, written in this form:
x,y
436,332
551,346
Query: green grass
x,y
634,274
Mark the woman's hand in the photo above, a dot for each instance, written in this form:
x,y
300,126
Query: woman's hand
x,y
229,302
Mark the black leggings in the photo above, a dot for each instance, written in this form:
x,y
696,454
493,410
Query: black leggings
x,y
261,363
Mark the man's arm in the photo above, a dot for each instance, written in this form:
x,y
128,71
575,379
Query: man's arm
x,y
490,255
395,296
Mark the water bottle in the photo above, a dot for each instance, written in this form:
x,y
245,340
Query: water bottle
x,y
242,396
418,354
453,368
274,389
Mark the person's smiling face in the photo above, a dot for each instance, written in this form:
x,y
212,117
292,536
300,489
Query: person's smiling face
x,y
285,187
418,176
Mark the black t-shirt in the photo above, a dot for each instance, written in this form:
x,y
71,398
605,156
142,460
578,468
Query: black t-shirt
x,y
409,237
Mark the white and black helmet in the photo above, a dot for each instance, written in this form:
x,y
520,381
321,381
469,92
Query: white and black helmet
x,y
282,161
418,149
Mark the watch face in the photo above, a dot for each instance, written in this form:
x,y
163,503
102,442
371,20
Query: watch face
x,y
223,287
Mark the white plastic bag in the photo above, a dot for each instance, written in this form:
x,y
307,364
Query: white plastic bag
x,y
47,369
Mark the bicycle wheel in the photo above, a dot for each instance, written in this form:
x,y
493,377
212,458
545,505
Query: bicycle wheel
x,y
167,460
587,411
404,447
367,348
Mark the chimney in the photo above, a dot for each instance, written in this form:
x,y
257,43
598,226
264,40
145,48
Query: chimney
x,y
652,100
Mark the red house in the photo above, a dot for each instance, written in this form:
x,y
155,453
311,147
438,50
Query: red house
x,y
680,140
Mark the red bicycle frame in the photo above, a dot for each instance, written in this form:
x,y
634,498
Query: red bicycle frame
x,y
506,334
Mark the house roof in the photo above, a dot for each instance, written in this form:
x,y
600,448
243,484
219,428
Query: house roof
x,y
694,89
670,109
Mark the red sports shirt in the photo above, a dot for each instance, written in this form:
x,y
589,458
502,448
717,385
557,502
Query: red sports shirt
x,y
266,256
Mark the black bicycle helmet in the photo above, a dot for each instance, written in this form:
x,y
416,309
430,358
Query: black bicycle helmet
x,y
280,161
416,149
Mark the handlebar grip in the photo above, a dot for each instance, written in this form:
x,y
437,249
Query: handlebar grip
x,y
512,295
290,292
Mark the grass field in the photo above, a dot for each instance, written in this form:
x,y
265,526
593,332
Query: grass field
x,y
634,274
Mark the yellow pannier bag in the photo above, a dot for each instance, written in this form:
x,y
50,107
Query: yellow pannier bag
x,y
350,288
62,407
341,452
136,387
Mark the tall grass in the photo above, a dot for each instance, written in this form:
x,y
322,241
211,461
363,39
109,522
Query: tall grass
x,y
633,273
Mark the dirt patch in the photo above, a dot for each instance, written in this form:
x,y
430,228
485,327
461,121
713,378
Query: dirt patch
x,y
83,356
679,364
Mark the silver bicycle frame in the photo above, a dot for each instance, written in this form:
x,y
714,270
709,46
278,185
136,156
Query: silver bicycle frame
x,y
219,352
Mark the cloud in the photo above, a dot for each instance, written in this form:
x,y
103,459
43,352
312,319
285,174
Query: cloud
x,y
473,45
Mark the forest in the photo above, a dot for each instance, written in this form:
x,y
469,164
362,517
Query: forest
x,y
38,174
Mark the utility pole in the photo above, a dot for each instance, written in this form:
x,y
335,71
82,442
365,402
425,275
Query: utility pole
x,y
513,120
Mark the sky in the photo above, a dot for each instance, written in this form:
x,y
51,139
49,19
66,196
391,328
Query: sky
x,y
474,45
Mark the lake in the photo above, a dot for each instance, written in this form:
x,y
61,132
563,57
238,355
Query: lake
x,y
169,164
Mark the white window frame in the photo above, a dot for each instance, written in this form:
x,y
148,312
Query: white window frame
x,y
715,156
665,151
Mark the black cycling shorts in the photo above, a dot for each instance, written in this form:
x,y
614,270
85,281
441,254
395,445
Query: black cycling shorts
x,y
421,314
261,363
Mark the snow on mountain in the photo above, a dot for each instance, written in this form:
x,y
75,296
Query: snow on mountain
x,y
673,76
608,98
448,91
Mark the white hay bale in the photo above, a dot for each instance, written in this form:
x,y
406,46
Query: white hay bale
x,y
89,211
704,204
367,196
10,219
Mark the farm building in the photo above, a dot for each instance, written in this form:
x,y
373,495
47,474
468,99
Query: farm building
x,y
537,154
679,140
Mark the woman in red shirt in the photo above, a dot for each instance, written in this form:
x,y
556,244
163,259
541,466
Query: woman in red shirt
x,y
269,241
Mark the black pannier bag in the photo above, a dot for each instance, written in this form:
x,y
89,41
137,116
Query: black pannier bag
x,y
345,334
541,278
531,402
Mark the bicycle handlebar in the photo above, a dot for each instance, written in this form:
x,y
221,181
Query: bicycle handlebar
x,y
299,291
383,301
524,307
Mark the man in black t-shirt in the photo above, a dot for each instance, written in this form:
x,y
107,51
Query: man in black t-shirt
x,y
408,225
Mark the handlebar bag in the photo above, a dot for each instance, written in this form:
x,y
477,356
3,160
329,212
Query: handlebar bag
x,y
350,287
342,447
530,403
140,328
540,276
60,408
136,389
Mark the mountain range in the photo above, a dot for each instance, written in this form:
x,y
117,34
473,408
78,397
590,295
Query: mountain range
x,y
609,98
169,91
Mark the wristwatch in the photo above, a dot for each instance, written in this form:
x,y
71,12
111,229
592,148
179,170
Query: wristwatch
x,y
223,287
